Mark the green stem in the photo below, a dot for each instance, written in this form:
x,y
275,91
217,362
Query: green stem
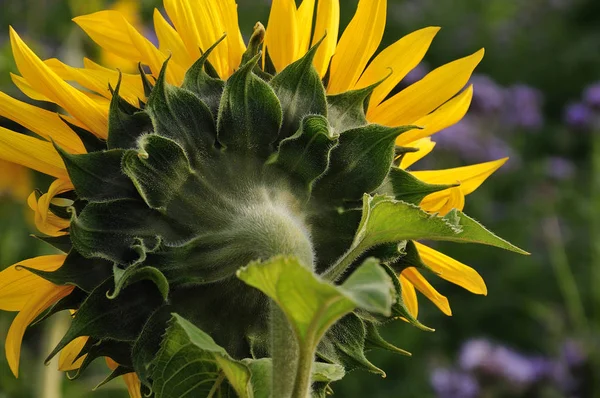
x,y
304,372
334,272
284,351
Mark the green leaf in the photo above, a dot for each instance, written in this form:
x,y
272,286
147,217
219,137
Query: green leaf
x,y
407,188
386,220
312,305
191,364
180,115
207,88
305,155
360,162
250,114
97,176
98,314
158,170
125,125
300,91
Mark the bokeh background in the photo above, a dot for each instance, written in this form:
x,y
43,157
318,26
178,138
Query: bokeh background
x,y
537,100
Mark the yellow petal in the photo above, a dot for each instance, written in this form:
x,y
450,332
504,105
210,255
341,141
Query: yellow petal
x,y
67,359
99,81
424,146
180,13
26,89
399,59
443,201
409,295
18,284
40,300
469,177
47,222
328,22
170,42
357,45
42,79
415,277
304,18
235,41
452,270
445,116
131,380
44,123
32,153
111,31
281,40
422,97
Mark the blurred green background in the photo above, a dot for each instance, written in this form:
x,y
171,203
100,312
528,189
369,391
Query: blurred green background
x,y
537,100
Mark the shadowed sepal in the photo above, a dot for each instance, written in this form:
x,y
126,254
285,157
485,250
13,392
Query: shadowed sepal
x,y
411,258
180,115
62,243
305,155
89,140
98,316
250,114
158,169
347,110
125,122
148,343
374,340
360,162
300,92
209,89
97,176
118,351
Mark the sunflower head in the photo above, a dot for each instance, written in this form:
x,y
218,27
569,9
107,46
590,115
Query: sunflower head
x,y
237,220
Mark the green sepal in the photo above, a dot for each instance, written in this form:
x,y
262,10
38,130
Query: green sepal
x,y
305,155
347,110
70,302
254,46
118,372
85,273
344,344
148,343
386,220
62,243
135,273
118,351
180,115
113,230
250,114
411,258
125,123
158,169
300,92
97,176
403,186
191,363
146,83
209,89
91,143
374,340
360,162
98,314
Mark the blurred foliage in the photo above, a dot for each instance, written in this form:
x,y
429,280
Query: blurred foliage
x,y
550,45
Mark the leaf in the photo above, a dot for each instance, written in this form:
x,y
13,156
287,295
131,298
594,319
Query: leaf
x,y
312,305
360,162
405,187
97,176
305,155
250,114
207,88
386,220
180,115
148,343
300,92
158,170
189,364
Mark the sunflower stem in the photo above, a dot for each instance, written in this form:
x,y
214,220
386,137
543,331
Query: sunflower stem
x,y
338,269
304,372
285,354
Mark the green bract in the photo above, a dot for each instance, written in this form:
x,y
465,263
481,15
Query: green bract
x,y
217,236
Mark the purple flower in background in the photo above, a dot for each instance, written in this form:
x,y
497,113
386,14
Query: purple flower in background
x,y
488,97
415,75
453,384
474,353
560,168
573,354
524,106
591,95
578,115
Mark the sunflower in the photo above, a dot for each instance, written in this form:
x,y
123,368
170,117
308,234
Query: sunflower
x,y
216,154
